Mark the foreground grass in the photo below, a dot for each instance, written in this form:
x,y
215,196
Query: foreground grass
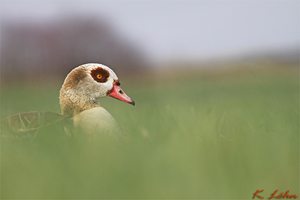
x,y
219,138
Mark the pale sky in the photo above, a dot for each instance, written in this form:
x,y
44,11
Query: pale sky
x,y
190,29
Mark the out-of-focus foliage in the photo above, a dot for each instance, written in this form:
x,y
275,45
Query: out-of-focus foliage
x,y
199,136
49,50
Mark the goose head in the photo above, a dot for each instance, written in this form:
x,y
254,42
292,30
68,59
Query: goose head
x,y
85,84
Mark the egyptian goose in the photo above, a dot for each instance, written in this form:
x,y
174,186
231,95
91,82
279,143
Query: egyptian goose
x,y
78,99
80,92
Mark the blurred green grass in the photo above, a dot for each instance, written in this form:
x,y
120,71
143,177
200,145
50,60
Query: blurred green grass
x,y
218,137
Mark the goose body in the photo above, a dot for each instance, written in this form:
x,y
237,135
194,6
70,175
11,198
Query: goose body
x,y
79,101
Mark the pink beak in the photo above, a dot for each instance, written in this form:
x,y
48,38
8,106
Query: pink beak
x,y
117,93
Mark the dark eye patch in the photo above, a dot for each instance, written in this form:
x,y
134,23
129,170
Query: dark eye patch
x,y
100,75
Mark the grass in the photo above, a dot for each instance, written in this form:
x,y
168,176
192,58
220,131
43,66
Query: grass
x,y
217,137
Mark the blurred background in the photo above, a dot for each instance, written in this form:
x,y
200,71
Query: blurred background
x,y
47,39
216,85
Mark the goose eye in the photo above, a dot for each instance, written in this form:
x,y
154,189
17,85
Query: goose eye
x,y
100,75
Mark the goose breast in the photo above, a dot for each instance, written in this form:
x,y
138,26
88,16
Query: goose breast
x,y
95,120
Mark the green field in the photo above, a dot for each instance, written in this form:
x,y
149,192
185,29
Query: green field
x,y
215,136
